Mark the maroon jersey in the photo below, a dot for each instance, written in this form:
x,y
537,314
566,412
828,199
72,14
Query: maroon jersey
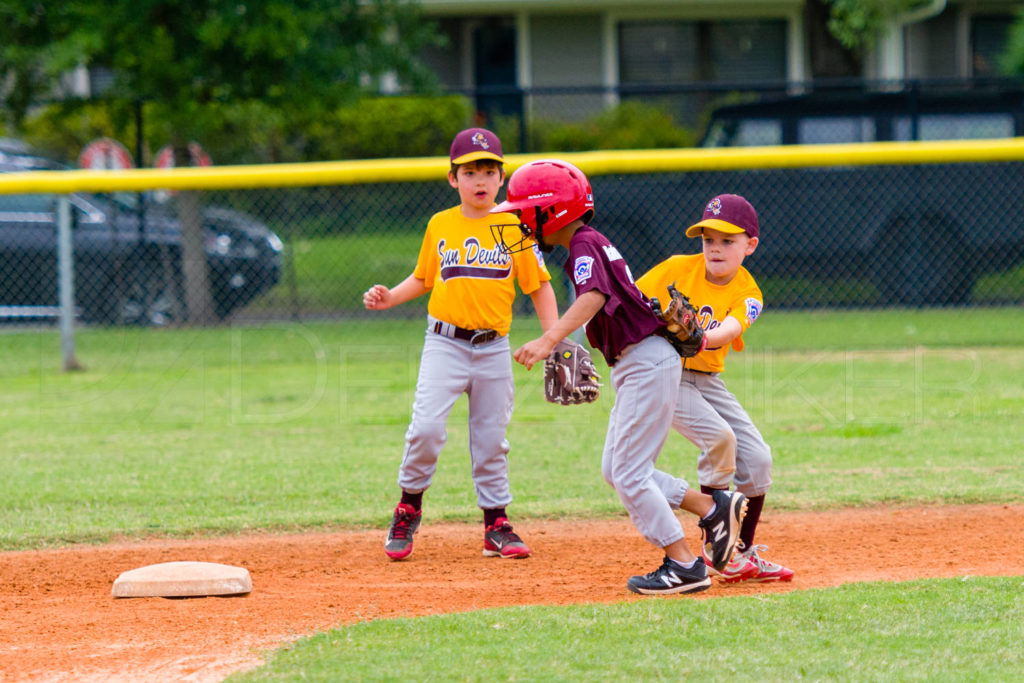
x,y
626,317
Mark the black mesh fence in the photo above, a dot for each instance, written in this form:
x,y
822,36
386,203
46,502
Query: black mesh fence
x,y
842,236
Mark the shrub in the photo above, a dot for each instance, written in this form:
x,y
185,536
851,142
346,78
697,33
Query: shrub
x,y
630,125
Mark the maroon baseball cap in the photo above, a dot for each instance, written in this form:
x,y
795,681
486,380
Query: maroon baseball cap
x,y
474,144
727,213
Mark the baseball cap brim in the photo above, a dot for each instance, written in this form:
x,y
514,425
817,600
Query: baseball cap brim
x,y
714,224
476,156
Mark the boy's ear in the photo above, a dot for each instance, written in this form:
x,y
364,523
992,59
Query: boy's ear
x,y
751,246
452,180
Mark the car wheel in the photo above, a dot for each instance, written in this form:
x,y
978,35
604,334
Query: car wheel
x,y
149,298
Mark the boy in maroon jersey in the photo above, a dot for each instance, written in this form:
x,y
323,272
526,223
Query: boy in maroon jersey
x,y
554,201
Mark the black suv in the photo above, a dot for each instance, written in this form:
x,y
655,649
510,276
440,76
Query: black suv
x,y
847,235
127,256
869,116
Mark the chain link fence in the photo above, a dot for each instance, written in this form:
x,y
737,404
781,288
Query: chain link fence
x,y
878,236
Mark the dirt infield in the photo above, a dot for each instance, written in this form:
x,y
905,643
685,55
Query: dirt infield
x,y
59,622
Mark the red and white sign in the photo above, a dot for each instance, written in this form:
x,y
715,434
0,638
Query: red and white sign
x,y
165,159
105,153
197,156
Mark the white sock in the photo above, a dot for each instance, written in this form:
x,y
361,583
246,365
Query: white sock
x,y
714,506
684,565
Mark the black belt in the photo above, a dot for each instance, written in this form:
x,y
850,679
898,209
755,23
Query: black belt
x,y
474,337
702,372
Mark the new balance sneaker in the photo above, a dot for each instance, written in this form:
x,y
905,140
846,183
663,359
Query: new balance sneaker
x,y
721,528
670,578
404,524
501,541
764,570
739,568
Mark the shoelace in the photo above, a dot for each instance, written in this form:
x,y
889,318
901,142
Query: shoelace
x,y
401,527
506,533
762,565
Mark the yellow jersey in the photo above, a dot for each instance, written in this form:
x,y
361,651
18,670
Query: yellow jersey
x,y
741,299
472,280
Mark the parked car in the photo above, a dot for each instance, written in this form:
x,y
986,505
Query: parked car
x,y
840,116
127,256
885,235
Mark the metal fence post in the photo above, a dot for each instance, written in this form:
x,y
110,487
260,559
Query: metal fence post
x,y
66,283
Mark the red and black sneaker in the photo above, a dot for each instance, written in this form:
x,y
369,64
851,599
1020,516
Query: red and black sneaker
x,y
501,541
403,525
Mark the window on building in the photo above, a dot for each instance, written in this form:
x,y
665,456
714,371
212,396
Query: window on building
x,y
679,52
988,40
674,53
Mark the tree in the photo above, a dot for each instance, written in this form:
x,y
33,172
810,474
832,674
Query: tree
x,y
296,55
1012,61
857,23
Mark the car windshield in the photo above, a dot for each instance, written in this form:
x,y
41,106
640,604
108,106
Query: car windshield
x,y
823,130
747,133
955,126
27,203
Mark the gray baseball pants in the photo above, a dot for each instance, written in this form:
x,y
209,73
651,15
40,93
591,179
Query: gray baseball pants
x,y
644,375
448,369
732,450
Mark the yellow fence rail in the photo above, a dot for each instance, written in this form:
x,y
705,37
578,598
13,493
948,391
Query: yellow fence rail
x,y
592,163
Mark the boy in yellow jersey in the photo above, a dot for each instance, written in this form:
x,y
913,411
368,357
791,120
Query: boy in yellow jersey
x,y
728,301
471,282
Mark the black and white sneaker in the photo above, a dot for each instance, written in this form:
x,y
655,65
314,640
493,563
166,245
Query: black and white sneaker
x,y
670,578
722,527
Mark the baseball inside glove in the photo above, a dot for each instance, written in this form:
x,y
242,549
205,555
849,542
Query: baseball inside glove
x,y
682,329
569,375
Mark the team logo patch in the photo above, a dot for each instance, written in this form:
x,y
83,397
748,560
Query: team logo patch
x,y
715,206
479,139
753,310
583,269
539,255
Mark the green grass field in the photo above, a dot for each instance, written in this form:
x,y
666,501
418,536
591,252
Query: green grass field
x,y
291,426
944,630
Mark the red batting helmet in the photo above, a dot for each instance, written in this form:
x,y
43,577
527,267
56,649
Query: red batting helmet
x,y
547,195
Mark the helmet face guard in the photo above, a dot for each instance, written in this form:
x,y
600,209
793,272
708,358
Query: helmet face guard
x,y
547,195
524,237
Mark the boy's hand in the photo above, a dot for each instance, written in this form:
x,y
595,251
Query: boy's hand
x,y
533,352
377,298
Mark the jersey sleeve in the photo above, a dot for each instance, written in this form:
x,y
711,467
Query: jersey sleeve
x,y
745,308
427,263
588,270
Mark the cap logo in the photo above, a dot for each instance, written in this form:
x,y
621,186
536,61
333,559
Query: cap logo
x,y
715,206
479,139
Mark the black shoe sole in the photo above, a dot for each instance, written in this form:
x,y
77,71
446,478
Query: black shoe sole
x,y
678,590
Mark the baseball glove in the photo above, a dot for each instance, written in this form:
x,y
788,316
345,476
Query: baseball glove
x,y
683,329
569,375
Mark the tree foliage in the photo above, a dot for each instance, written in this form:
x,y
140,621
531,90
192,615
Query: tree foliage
x,y
187,53
857,23
1012,62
